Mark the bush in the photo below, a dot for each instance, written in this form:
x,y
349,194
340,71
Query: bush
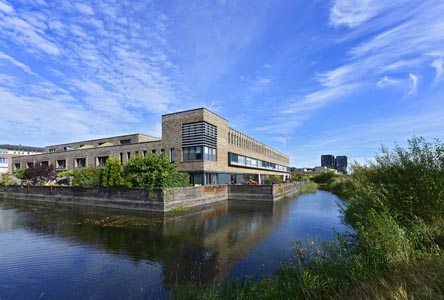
x,y
86,177
6,179
324,177
112,174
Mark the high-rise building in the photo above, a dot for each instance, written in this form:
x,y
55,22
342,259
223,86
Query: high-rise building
x,y
328,161
341,164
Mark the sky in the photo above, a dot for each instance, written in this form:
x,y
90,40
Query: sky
x,y
306,77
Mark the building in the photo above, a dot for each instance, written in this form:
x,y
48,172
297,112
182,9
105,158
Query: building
x,y
200,141
341,164
7,152
328,161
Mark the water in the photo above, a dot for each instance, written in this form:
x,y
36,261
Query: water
x,y
59,252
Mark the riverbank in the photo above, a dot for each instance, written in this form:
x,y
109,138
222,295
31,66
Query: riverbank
x,y
166,200
396,207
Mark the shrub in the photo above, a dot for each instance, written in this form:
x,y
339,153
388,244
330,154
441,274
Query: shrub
x,y
86,177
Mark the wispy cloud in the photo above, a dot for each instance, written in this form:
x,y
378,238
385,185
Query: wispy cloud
x,y
414,80
438,64
386,81
16,63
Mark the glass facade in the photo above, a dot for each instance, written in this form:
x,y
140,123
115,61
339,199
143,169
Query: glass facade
x,y
253,163
199,153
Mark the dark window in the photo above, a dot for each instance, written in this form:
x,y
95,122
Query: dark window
x,y
144,153
100,161
80,162
125,142
60,164
172,155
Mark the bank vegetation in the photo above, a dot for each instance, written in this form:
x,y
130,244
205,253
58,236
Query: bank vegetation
x,y
395,206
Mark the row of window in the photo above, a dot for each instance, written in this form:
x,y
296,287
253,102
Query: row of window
x,y
80,162
199,153
240,140
245,161
3,160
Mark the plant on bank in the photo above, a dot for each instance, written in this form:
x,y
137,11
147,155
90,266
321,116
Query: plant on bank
x,y
112,174
40,173
154,172
85,177
6,180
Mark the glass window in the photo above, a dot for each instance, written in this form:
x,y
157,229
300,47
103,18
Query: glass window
x,y
172,155
60,164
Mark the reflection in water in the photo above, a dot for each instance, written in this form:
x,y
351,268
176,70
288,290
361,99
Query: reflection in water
x,y
144,261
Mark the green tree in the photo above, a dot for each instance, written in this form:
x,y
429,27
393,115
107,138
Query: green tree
x,y
84,177
324,177
112,174
7,180
20,174
154,172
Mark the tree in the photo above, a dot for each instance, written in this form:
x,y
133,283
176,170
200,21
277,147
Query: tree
x,y
154,172
85,177
112,175
40,173
20,174
7,180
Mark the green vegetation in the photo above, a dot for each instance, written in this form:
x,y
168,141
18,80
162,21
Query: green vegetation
x,y
324,177
122,221
151,172
85,177
308,187
6,180
396,206
179,210
112,174
154,172
20,174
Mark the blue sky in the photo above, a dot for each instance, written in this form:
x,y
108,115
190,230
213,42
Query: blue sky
x,y
306,77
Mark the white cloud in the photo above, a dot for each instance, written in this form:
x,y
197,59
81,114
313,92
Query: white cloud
x,y
84,8
386,81
438,64
414,79
353,13
16,63
6,7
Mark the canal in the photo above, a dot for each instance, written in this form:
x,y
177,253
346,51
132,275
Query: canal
x,y
50,251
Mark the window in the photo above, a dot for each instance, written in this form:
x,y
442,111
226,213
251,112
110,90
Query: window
x,y
144,153
45,163
128,155
30,165
80,162
125,142
121,157
162,151
172,155
51,150
153,151
60,164
17,166
100,161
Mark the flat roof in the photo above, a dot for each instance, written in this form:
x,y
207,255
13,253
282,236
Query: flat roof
x,y
201,108
104,138
20,147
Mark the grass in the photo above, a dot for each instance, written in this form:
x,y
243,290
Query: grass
x,y
396,207
121,221
179,210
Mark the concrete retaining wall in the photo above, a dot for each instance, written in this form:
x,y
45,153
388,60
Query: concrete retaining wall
x,y
158,201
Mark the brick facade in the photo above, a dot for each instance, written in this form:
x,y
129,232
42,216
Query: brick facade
x,y
91,153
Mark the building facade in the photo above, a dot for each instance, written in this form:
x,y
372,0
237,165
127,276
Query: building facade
x,y
198,140
328,161
7,152
341,164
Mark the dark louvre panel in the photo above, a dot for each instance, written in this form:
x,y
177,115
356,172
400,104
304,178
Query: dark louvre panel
x,y
199,134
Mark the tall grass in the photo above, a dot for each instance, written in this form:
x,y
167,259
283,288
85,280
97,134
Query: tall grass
x,y
396,206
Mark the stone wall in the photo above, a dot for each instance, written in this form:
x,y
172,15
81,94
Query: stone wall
x,y
194,196
158,201
134,199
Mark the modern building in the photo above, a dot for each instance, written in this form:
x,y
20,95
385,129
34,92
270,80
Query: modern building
x,y
7,152
328,161
341,163
200,141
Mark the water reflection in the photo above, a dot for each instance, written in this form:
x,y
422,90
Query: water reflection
x,y
204,245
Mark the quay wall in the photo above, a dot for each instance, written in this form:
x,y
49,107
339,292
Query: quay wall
x,y
156,201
